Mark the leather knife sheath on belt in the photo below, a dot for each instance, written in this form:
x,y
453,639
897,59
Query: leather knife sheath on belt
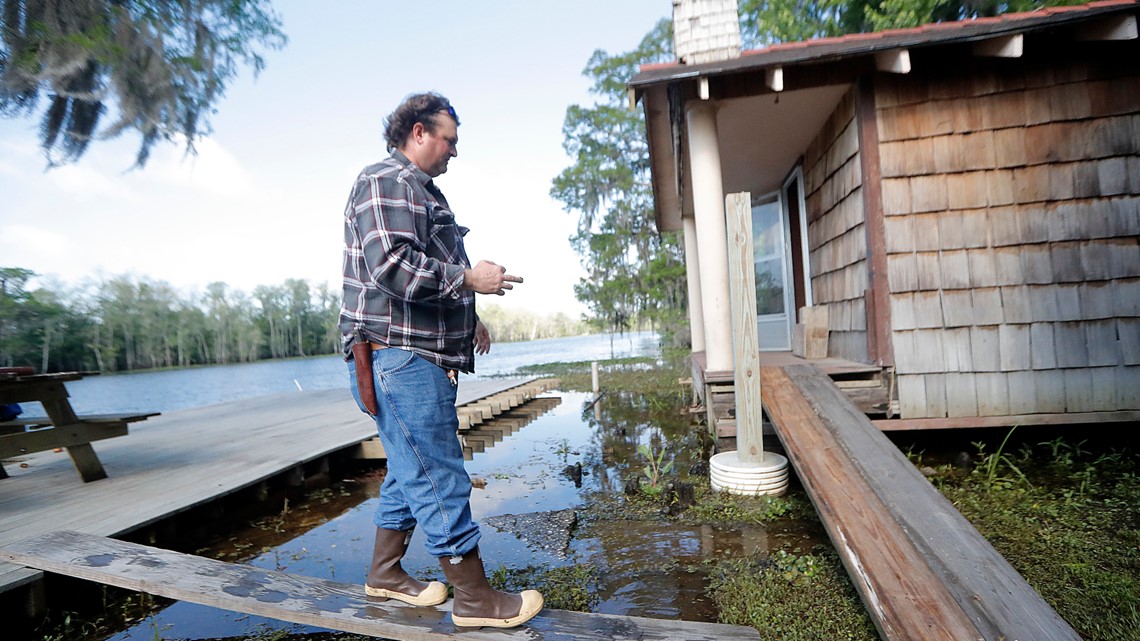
x,y
362,357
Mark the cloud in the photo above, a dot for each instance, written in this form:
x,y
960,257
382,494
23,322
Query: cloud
x,y
41,250
83,181
213,170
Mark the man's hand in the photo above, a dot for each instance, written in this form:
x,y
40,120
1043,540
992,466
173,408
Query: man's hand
x,y
482,338
489,278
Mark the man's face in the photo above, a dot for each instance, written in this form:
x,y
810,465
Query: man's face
x,y
435,149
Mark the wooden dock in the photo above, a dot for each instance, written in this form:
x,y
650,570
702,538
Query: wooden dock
x,y
189,458
922,570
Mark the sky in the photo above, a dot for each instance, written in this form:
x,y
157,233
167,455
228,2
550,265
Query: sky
x,y
263,199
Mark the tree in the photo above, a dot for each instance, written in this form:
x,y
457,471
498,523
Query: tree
x,y
765,22
608,186
164,64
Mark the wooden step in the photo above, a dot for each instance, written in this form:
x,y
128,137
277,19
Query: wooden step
x,y
316,602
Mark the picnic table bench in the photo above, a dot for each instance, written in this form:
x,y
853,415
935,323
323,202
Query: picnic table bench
x,y
61,428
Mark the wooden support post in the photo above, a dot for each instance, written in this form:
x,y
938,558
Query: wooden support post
x,y
745,345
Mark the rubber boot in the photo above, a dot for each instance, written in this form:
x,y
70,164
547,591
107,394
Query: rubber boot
x,y
387,578
476,604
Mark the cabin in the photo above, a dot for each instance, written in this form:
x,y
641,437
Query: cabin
x,y
945,218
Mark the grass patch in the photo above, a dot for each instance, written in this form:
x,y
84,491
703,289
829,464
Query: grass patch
x,y
1066,519
791,596
649,375
572,587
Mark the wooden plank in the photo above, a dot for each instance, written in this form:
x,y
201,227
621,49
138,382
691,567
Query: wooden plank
x,y
984,345
1043,353
745,344
936,394
997,601
313,601
904,598
955,270
1129,332
74,435
1072,350
1103,388
961,394
1050,391
1016,305
1014,351
958,307
1078,390
879,345
1128,387
1022,392
992,393
987,306
912,396
1103,346
1107,420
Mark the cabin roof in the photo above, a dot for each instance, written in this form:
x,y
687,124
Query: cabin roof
x,y
862,44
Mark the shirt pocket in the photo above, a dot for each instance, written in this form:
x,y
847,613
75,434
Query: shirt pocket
x,y
443,233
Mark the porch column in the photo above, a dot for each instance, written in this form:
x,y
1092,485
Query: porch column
x,y
711,232
693,276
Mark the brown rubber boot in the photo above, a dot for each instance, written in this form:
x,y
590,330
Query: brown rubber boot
x,y
476,604
387,578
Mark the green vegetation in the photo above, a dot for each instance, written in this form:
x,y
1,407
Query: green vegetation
x,y
126,324
1068,519
634,273
571,587
790,595
163,64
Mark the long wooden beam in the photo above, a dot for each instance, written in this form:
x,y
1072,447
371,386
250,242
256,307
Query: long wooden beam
x,y
842,458
318,602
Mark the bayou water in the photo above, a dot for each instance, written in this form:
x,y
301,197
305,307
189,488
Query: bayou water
x,y
642,568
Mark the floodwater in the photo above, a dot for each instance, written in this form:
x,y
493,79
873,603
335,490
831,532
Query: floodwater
x,y
643,568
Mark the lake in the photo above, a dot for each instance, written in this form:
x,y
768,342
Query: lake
x,y
173,389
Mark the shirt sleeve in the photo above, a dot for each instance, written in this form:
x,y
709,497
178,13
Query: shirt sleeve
x,y
395,253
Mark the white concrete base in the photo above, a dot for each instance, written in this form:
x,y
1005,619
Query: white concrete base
x,y
767,476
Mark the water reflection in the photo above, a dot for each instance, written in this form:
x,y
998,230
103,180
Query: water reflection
x,y
546,457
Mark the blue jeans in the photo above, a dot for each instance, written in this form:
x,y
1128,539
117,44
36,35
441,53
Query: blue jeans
x,y
426,482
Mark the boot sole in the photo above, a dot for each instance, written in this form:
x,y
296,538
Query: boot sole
x,y
531,605
434,594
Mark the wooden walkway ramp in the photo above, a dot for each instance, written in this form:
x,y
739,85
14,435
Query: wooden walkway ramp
x,y
920,567
318,602
183,459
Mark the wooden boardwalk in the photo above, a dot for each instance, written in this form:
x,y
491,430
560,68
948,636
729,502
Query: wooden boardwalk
x,y
320,602
184,459
922,570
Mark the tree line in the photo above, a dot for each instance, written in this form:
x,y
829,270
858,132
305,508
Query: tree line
x,y
124,323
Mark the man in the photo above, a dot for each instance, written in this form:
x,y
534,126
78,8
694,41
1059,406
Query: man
x,y
408,324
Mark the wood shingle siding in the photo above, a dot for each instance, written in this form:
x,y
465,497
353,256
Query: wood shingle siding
x,y
1012,205
836,232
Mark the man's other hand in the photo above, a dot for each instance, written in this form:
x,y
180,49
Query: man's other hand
x,y
482,338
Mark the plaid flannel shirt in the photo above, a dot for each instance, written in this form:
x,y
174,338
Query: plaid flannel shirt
x,y
403,267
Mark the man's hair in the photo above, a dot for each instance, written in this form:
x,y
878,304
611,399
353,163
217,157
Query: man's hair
x,y
420,107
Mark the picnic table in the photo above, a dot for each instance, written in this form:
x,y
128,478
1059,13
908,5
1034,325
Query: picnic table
x,y
61,428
